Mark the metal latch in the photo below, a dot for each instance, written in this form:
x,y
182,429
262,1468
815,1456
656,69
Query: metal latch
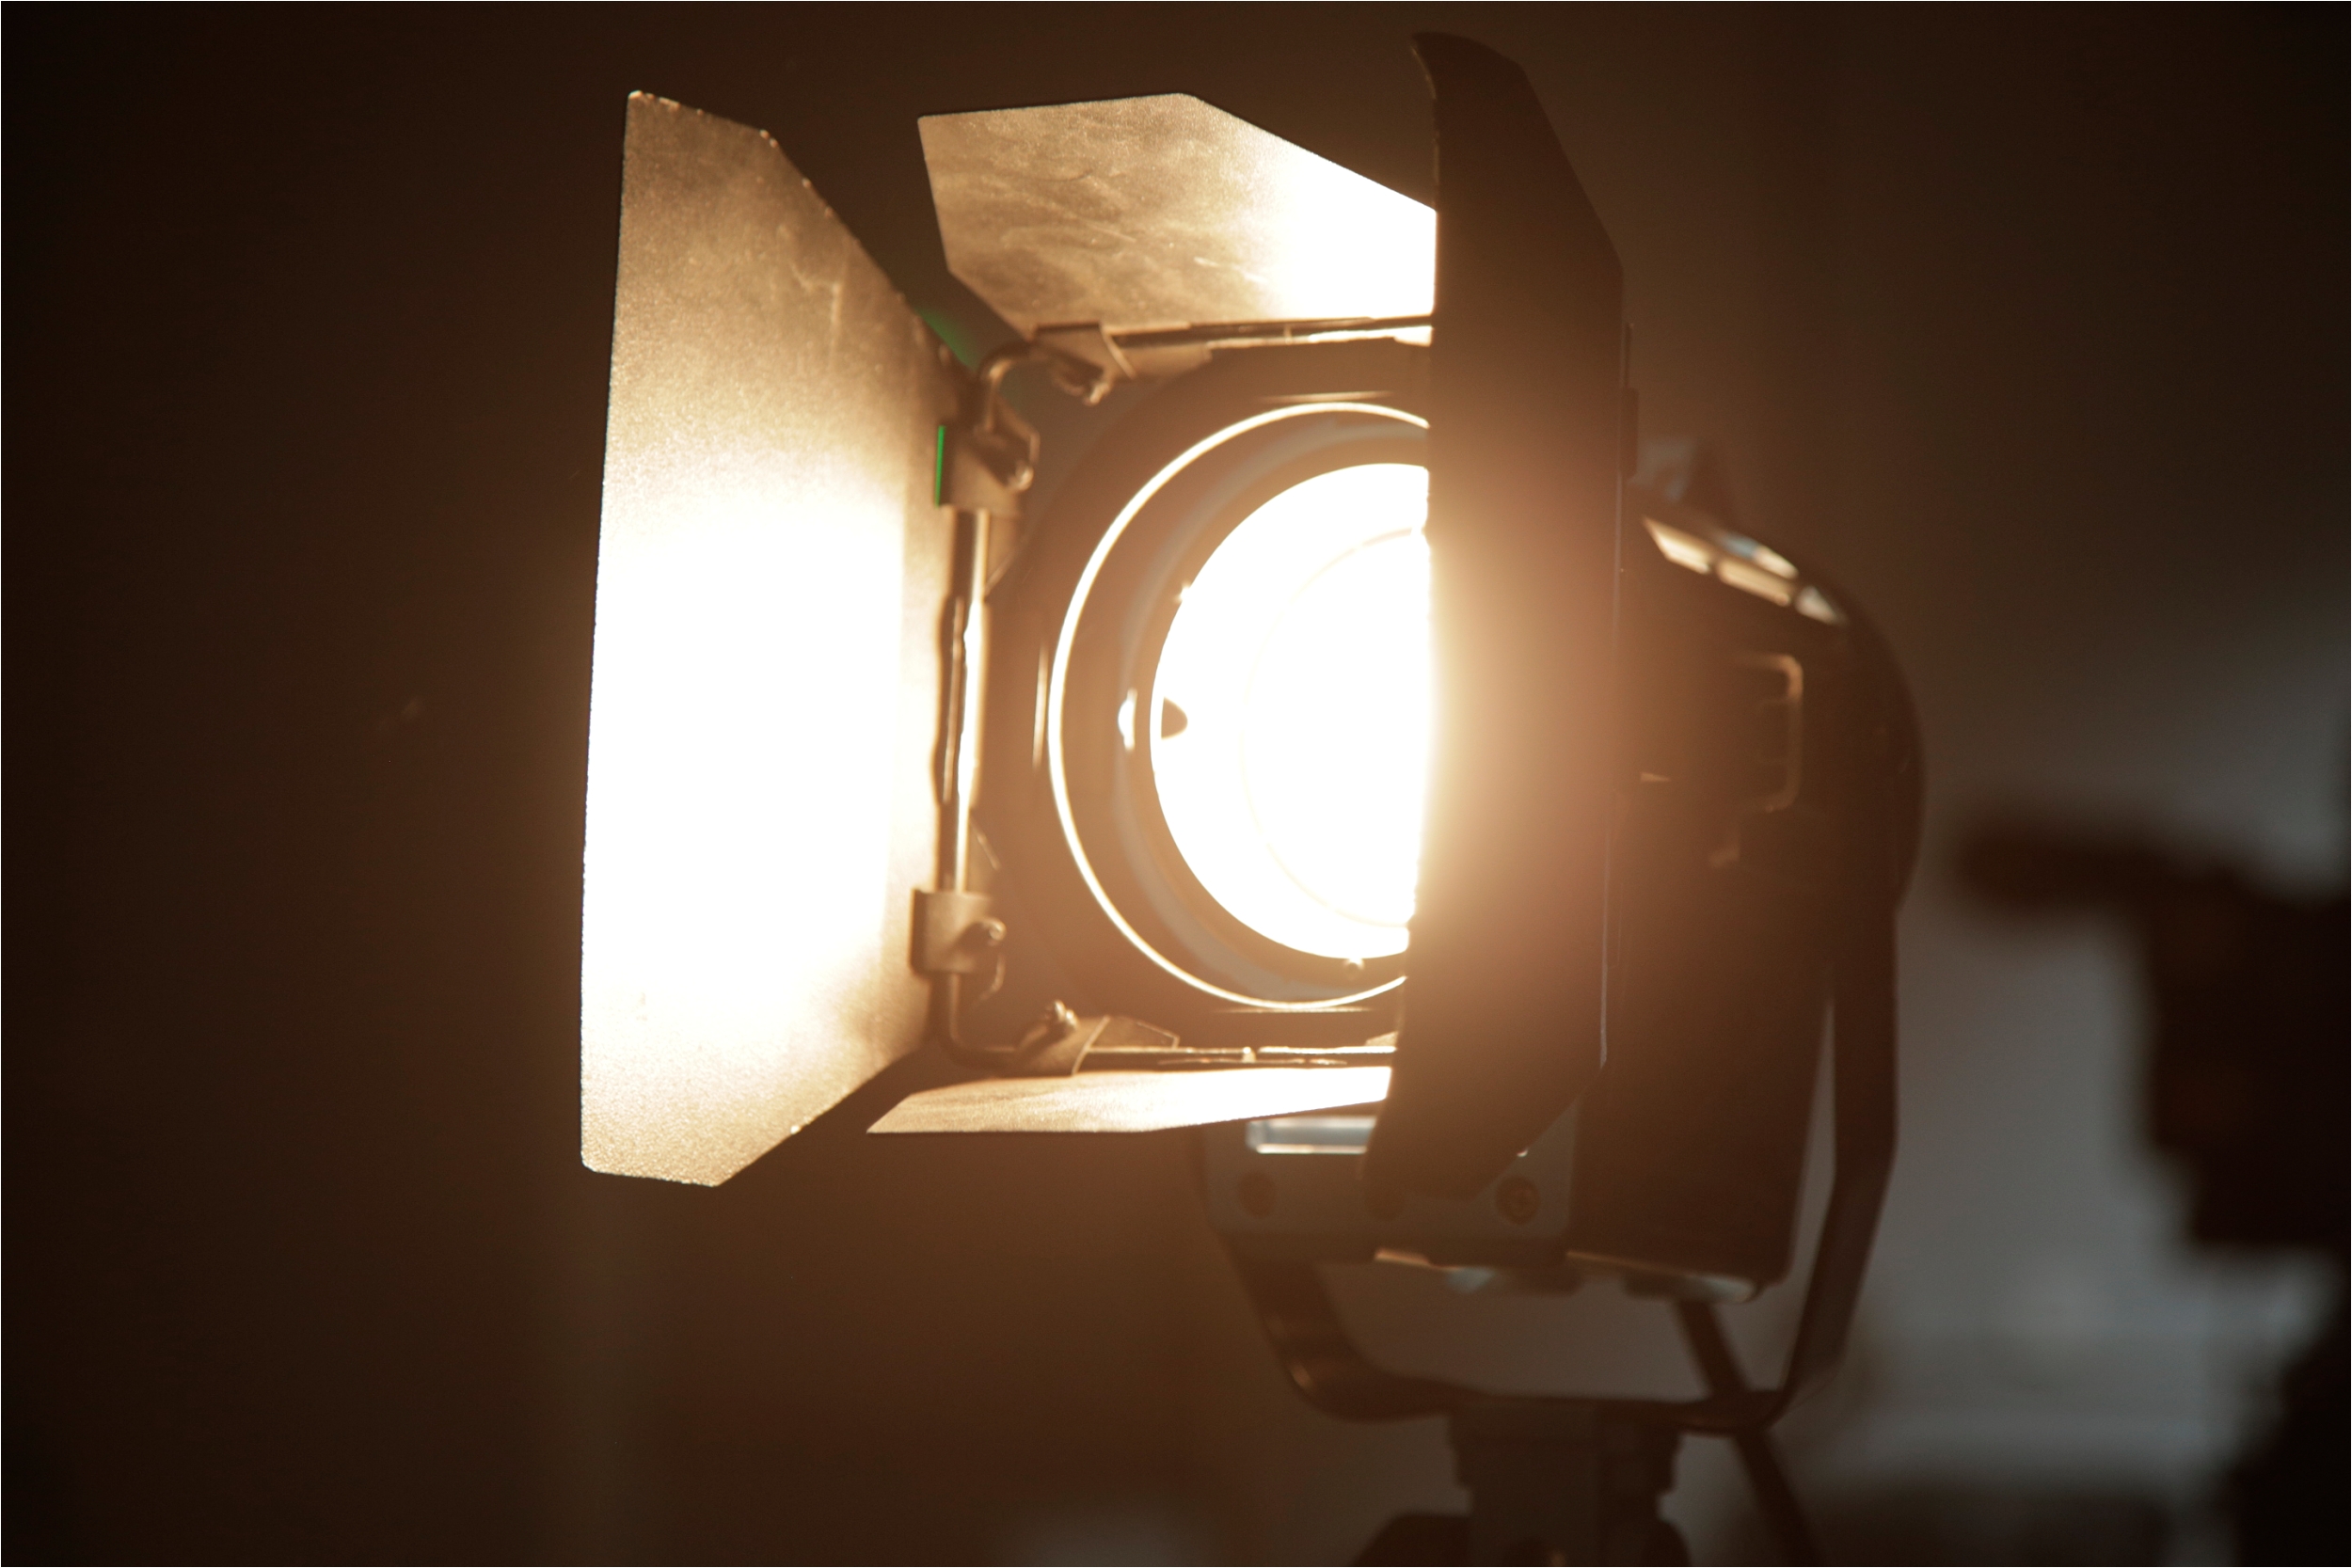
x,y
1057,1045
956,933
988,457
1777,763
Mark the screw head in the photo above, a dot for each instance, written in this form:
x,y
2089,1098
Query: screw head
x,y
1518,1199
1055,1023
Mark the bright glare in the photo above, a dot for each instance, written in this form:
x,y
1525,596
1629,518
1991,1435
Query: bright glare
x,y
763,701
1290,735
1345,245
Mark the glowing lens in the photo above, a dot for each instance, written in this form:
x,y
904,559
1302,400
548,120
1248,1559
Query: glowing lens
x,y
1290,743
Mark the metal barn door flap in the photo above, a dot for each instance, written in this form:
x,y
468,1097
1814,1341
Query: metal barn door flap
x,y
766,679
1502,1013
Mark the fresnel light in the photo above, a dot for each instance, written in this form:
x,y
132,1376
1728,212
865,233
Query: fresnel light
x,y
1346,761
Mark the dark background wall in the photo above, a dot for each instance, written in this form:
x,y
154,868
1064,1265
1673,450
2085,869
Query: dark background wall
x,y
2031,322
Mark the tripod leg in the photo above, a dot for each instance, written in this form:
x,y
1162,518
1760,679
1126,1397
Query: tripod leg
x,y
1774,1497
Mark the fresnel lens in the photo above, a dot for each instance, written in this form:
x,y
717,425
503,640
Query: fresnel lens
x,y
1238,708
1292,703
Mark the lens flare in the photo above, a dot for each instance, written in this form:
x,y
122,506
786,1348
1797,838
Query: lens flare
x,y
1291,713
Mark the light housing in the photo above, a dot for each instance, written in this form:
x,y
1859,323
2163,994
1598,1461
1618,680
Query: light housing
x,y
1671,793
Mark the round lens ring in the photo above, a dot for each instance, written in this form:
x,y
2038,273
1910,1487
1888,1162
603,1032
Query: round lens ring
x,y
1266,870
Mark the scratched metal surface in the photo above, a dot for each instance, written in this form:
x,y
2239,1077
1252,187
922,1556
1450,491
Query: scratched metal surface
x,y
1141,213
770,574
1133,1102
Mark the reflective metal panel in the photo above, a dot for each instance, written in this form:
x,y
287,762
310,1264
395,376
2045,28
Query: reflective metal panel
x,y
1141,213
1133,1102
766,683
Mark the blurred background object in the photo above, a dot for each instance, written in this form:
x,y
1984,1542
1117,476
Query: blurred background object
x,y
2245,1076
2031,322
2245,1089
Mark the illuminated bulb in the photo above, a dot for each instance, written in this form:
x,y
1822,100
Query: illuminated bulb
x,y
1298,662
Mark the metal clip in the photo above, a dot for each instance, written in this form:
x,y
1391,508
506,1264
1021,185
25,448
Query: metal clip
x,y
1083,359
1780,760
1057,1044
956,933
987,468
